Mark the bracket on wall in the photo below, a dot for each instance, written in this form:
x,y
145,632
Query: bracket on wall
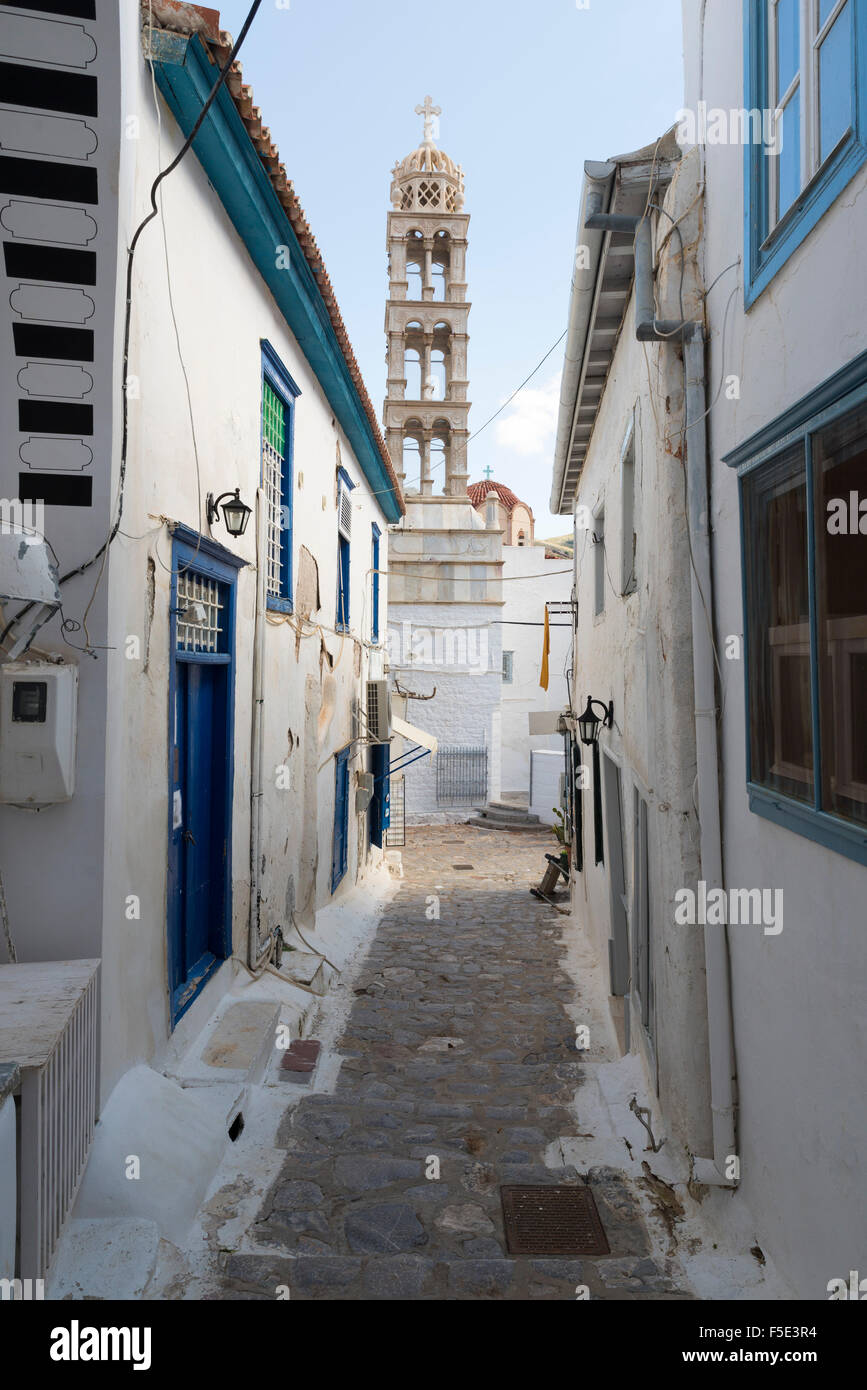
x,y
410,695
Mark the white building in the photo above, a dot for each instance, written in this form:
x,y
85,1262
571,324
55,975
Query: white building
x,y
723,617
533,580
221,732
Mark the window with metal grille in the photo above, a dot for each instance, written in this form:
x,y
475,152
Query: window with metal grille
x,y
273,460
201,613
278,397
374,619
344,556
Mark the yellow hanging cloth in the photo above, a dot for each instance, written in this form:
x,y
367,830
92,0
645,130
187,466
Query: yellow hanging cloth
x,y
546,652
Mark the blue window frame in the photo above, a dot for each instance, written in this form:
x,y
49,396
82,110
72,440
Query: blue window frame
x,y
340,846
803,492
345,486
279,393
806,74
374,620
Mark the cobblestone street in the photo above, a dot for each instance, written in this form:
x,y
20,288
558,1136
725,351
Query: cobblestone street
x,y
459,1048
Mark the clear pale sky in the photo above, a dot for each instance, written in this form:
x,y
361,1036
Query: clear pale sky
x,y
528,93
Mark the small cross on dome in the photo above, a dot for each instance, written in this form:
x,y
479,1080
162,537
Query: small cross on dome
x,y
430,112
488,472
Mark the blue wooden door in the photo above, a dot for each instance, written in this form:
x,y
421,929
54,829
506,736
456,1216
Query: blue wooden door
x,y
200,777
204,818
199,837
341,819
380,804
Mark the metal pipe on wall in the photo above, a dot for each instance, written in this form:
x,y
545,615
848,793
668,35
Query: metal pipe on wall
x,y
255,953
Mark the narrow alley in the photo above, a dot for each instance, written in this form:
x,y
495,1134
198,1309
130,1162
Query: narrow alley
x,y
461,1049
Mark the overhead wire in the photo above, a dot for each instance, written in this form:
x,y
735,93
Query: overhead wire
x,y
154,212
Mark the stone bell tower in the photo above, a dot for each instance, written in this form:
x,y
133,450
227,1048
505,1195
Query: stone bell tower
x,y
426,407
445,561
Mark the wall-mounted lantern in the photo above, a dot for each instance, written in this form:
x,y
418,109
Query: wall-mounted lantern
x,y
236,513
589,723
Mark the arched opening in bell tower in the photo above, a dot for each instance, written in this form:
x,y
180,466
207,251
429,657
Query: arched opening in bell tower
x,y
441,257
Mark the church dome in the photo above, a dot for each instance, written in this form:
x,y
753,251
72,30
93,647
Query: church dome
x,y
428,180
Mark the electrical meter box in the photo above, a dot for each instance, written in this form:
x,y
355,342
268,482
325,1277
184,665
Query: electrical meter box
x,y
38,702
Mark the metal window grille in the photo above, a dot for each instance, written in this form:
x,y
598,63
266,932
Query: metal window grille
x,y
273,454
59,1108
395,835
202,636
462,775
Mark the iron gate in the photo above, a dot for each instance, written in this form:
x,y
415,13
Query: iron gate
x,y
395,835
462,775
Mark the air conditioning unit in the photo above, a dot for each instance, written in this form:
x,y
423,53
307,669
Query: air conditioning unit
x,y
378,711
363,792
344,512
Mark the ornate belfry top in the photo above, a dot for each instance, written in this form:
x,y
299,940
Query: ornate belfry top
x,y
442,186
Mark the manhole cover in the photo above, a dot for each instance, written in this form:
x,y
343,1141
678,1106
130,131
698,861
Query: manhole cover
x,y
463,866
552,1221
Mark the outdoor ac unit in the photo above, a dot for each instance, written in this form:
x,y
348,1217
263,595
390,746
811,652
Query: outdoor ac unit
x,y
378,711
344,512
363,792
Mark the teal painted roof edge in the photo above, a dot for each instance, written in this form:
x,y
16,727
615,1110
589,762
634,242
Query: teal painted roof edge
x,y
223,147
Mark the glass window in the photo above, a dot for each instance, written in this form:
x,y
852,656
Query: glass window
x,y
775,502
805,556
374,622
598,539
802,80
840,470
508,667
788,45
835,82
276,481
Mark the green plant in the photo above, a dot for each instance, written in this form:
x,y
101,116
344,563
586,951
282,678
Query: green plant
x,y
559,826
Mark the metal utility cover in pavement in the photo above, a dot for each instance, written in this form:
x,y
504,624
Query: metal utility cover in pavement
x,y
463,866
552,1221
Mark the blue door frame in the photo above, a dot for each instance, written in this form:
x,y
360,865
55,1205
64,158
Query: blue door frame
x,y
201,778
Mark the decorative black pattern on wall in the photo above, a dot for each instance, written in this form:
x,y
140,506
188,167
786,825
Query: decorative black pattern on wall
x,y
52,223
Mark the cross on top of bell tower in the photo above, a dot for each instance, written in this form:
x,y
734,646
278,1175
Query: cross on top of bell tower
x,y
430,113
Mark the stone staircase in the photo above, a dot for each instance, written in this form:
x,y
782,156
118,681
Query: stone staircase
x,y
504,815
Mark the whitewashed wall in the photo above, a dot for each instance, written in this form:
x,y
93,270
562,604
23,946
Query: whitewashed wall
x,y
529,582
800,1025
637,653
467,692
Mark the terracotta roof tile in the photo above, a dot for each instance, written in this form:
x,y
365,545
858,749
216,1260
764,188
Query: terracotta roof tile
x,y
479,491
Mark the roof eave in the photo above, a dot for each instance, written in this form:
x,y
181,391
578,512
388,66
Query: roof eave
x,y
185,72
600,299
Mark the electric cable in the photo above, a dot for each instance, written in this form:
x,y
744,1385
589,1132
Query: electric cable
x,y
215,90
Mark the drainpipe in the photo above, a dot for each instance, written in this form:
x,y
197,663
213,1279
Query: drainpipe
x,y
648,328
255,955
716,955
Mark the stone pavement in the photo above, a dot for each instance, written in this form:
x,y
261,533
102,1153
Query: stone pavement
x,y
459,1053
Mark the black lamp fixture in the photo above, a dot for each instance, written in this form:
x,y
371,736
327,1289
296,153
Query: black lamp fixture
x,y
589,723
236,513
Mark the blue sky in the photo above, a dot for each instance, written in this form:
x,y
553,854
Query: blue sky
x,y
528,92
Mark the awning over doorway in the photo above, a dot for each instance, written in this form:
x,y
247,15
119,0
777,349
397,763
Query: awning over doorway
x,y
409,731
